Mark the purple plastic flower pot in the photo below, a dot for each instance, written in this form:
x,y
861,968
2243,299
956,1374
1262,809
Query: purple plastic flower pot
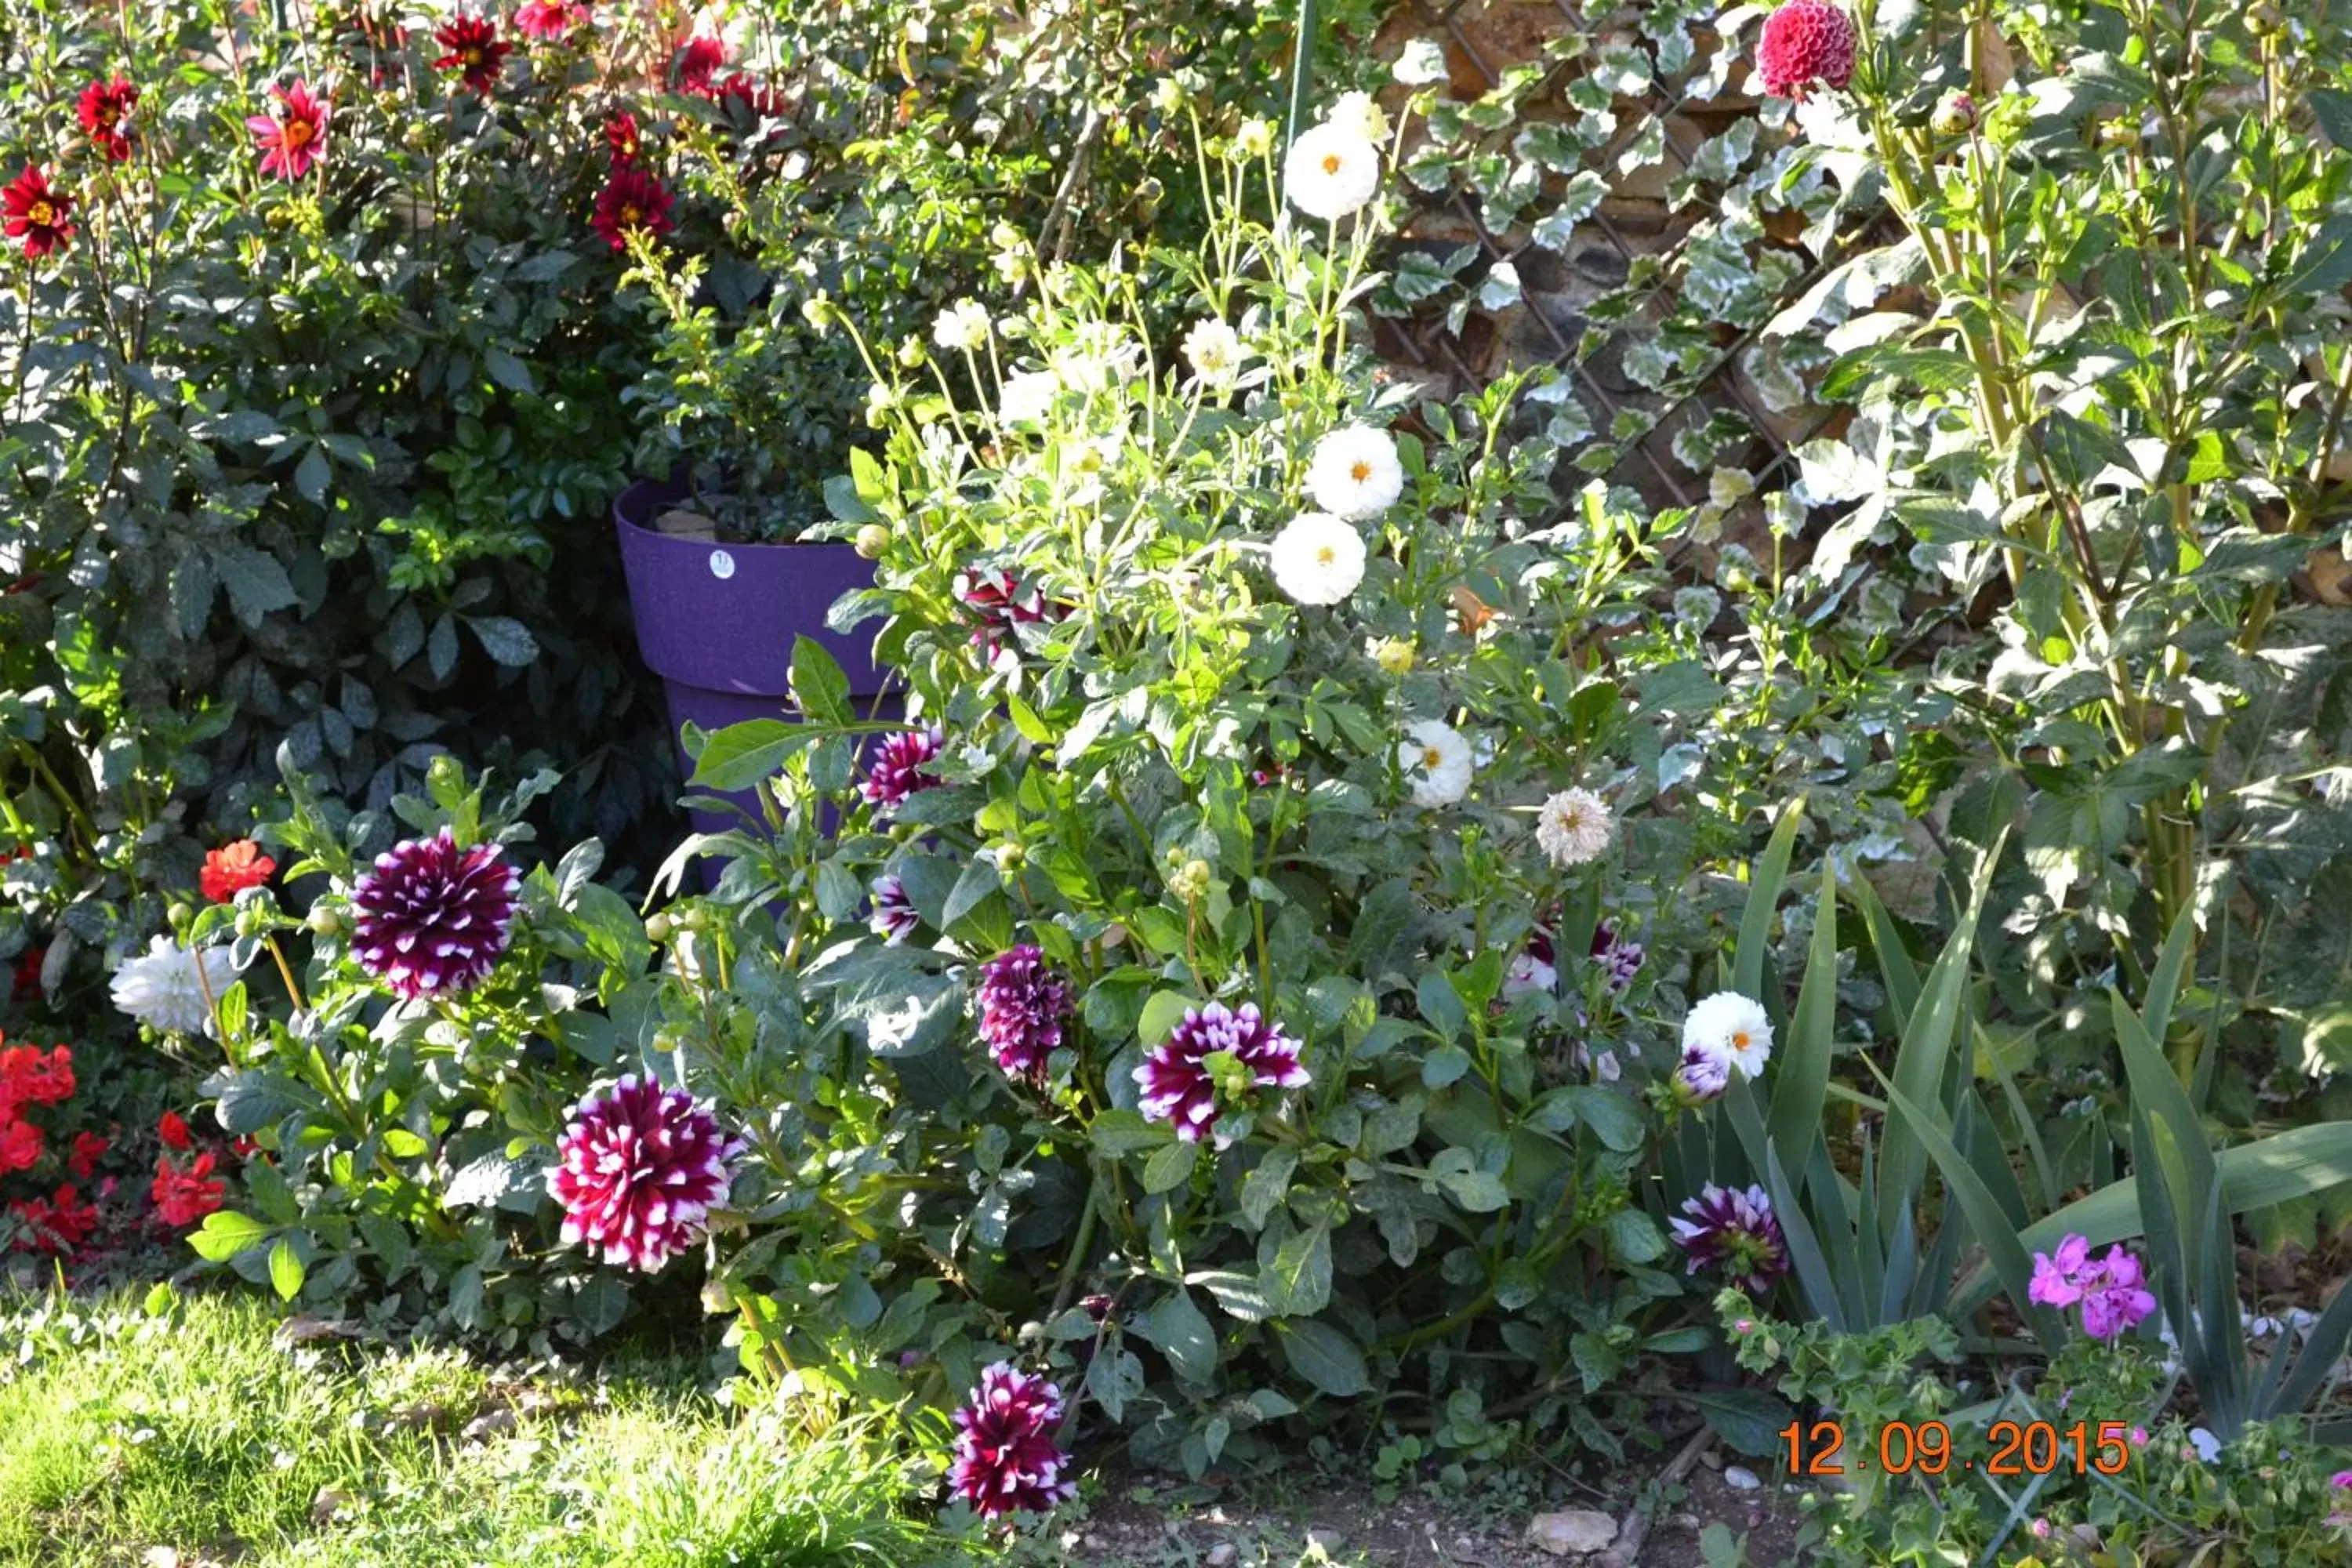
x,y
716,623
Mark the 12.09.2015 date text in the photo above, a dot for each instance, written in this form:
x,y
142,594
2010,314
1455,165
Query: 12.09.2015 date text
x,y
1903,1447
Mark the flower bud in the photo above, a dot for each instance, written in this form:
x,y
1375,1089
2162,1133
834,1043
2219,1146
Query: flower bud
x,y
1190,882
1394,655
657,927
1956,116
1255,139
872,540
1011,857
2263,18
818,311
324,920
179,915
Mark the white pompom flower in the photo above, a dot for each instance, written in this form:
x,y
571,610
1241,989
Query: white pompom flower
x,y
1574,827
1028,396
1437,760
963,325
1214,351
1355,472
1317,559
1732,1030
162,987
1331,170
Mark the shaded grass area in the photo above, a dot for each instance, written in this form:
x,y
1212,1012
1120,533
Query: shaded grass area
x,y
184,1422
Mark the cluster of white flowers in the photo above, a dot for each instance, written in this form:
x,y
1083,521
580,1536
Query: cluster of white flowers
x,y
1214,351
1728,1031
963,325
1574,827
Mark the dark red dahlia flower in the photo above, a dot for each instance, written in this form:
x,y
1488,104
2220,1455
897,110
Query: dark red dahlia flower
x,y
997,603
184,1197
622,138
296,138
1006,1460
104,106
26,980
1806,44
637,1171
432,918
233,868
54,1225
698,60
1182,1083
36,212
550,20
1735,1232
898,768
1024,1003
476,52
632,200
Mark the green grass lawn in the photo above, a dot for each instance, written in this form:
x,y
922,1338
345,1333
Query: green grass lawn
x,y
132,1424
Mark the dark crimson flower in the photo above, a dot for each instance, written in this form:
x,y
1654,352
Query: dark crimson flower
x,y
476,52
1806,44
88,1149
758,102
26,978
173,1131
1620,959
553,19
184,1197
1735,1232
296,138
232,869
30,1076
57,1225
632,200
20,1145
622,138
34,211
1216,1052
897,768
432,918
637,1170
1006,1460
998,603
893,918
1098,1306
698,60
1024,1002
104,106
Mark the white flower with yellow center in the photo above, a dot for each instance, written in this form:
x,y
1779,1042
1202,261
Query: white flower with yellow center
x,y
1214,351
963,325
1355,472
1574,827
1732,1030
1436,759
1331,170
1317,559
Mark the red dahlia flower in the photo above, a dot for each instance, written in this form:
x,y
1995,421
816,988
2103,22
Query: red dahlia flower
x,y
633,200
432,920
1806,43
233,868
1005,1457
698,60
27,979
476,52
622,138
553,19
36,212
637,1170
997,602
758,102
896,770
104,106
296,138
173,1131
184,1197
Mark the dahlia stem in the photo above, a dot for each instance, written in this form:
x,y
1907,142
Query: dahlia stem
x,y
284,973
1079,1245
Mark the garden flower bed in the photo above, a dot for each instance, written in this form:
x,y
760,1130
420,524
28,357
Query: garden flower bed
x,y
1325,831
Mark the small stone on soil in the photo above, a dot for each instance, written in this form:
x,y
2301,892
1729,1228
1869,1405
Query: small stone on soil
x,y
1575,1531
1740,1478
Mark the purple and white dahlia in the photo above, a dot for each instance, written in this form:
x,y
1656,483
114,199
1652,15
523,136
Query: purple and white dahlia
x,y
1024,1001
898,768
1701,1076
430,918
637,1171
997,602
1182,1076
1619,959
1737,1233
893,916
1006,1460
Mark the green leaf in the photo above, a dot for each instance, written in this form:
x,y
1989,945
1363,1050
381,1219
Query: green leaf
x,y
225,1233
1802,1082
256,584
1178,1327
742,755
1169,1167
285,1269
1119,1133
1324,1357
507,371
1298,1282
1264,1189
2334,111
818,684
1161,1013
1763,897
313,474
505,639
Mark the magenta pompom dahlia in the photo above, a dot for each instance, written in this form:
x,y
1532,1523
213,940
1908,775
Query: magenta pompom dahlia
x,y
1006,1460
897,768
1024,1002
637,1171
1806,44
893,916
432,918
1213,1049
1737,1232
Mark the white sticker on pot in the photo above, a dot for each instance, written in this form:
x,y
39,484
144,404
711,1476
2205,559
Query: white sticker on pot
x,y
722,565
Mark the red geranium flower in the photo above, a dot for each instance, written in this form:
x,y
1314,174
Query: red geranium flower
x,y
184,1197
1806,43
173,1131
103,107
88,1149
622,138
56,1226
20,1145
233,868
296,138
698,59
475,51
633,200
29,1075
28,971
31,210
551,18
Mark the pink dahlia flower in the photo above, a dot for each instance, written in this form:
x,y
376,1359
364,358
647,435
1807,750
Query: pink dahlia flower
x,y
1735,1232
1006,1460
1806,44
432,918
295,138
897,768
550,20
637,1171
1024,1003
1181,1081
